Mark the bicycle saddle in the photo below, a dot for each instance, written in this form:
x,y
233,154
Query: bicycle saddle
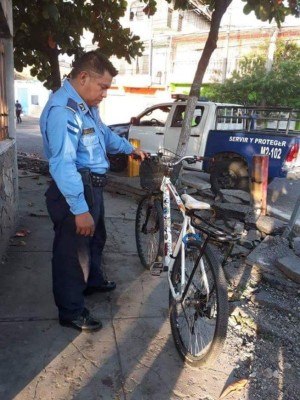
x,y
193,204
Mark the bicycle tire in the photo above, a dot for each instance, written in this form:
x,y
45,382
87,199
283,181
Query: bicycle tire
x,y
149,230
199,325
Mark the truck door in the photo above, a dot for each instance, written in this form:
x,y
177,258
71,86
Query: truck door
x,y
149,127
172,133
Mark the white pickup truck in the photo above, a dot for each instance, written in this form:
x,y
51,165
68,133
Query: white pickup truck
x,y
229,133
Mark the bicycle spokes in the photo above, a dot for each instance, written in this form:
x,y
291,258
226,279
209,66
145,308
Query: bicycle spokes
x,y
198,326
149,230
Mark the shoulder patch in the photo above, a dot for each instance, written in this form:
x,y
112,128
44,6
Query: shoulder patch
x,y
72,105
72,128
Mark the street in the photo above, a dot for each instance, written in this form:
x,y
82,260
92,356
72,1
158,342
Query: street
x,y
282,193
29,138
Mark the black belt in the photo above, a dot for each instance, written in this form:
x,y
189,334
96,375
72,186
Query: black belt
x,y
98,180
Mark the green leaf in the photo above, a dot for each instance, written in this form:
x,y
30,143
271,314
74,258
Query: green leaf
x,y
53,12
247,9
64,20
45,13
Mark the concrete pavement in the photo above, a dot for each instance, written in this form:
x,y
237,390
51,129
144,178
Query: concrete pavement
x,y
132,357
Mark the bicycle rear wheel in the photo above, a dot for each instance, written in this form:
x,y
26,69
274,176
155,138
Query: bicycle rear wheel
x,y
149,230
199,322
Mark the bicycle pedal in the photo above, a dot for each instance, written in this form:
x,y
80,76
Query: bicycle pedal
x,y
156,268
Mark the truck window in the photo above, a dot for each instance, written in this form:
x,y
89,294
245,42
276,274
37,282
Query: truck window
x,y
179,116
155,116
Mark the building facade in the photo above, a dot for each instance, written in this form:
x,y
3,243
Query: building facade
x,y
157,32
32,95
8,159
173,43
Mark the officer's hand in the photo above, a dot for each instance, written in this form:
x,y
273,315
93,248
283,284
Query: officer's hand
x,y
140,153
85,224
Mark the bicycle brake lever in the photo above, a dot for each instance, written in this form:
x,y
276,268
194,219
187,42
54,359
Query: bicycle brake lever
x,y
189,161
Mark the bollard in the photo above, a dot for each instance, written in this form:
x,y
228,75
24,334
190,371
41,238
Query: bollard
x,y
259,183
134,165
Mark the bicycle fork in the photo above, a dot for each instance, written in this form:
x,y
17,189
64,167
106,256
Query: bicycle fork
x,y
185,286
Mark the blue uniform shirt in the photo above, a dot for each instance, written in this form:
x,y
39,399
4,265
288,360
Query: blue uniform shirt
x,y
75,137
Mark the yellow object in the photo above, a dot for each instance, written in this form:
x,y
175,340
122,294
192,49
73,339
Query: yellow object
x,y
134,165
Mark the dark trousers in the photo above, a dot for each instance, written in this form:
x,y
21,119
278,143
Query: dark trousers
x,y
18,115
76,261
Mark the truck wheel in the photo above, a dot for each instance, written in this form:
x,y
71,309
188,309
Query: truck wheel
x,y
118,162
229,174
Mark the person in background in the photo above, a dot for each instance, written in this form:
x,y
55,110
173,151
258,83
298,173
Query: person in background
x,y
18,107
76,142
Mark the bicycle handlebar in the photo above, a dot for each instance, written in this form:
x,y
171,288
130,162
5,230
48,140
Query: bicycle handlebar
x,y
189,159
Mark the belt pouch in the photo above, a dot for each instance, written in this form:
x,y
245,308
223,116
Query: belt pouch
x,y
88,187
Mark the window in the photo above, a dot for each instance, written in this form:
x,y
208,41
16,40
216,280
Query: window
x,y
169,18
35,99
140,15
156,116
3,101
145,64
179,116
180,20
136,12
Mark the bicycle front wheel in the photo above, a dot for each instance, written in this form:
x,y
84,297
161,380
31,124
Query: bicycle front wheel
x,y
199,322
149,230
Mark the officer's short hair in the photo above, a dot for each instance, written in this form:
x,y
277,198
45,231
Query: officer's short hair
x,y
93,61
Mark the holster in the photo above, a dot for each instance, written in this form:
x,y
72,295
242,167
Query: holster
x,y
87,185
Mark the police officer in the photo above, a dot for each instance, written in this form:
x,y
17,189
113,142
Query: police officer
x,y
76,142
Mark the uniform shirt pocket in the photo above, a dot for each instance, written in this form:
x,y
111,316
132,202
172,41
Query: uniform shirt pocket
x,y
90,140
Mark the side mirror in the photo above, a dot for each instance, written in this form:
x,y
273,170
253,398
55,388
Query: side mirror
x,y
134,121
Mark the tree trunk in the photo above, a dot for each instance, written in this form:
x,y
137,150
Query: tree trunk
x,y
210,45
54,65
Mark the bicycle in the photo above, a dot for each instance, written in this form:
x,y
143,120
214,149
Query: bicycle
x,y
198,303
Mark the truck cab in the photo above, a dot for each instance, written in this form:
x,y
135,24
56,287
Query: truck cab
x,y
158,127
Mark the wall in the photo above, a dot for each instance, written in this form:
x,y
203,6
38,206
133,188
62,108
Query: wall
x,y
8,193
120,106
8,154
32,95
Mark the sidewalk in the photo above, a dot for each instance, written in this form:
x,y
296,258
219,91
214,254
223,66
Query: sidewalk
x,y
132,357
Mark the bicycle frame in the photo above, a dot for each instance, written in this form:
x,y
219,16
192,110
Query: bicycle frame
x,y
169,254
